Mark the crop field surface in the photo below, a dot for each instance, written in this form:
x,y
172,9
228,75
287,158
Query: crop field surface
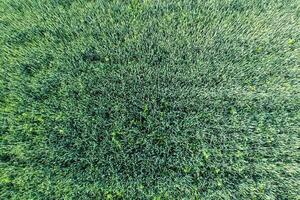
x,y
150,99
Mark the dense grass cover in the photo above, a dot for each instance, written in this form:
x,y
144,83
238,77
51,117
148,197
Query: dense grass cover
x,y
149,99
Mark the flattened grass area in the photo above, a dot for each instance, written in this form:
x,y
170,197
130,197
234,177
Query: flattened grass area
x,y
149,99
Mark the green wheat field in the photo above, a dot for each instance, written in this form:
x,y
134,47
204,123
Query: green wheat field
x,y
150,99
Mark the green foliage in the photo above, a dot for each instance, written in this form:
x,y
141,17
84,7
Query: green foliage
x,y
149,99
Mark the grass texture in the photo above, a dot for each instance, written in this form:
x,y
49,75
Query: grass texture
x,y
152,99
